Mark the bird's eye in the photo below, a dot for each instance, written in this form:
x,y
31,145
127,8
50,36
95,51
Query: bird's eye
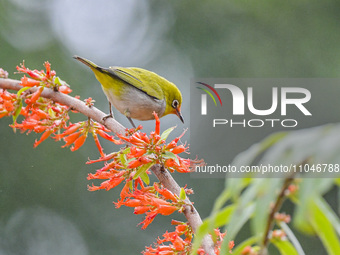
x,y
175,104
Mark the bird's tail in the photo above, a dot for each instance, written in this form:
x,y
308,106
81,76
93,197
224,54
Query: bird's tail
x,y
88,63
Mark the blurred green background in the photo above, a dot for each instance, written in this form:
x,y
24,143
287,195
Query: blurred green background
x,y
44,201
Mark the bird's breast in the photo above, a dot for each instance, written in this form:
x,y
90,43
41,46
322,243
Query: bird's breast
x,y
135,104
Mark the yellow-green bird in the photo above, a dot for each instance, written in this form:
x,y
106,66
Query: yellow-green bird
x,y
137,92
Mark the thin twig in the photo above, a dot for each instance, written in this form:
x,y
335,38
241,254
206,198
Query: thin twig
x,y
163,175
270,222
277,206
73,103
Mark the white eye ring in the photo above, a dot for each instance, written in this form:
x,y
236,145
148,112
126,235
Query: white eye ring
x,y
175,104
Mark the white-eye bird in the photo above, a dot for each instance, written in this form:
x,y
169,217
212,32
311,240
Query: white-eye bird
x,y
137,92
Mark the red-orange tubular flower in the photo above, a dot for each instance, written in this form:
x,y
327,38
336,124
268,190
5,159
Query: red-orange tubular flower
x,y
132,164
42,115
28,82
151,201
76,134
129,165
143,152
179,242
176,242
7,103
43,78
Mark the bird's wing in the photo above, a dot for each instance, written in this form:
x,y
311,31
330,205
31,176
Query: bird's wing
x,y
143,80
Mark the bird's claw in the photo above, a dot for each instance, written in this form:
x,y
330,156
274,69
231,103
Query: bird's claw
x,y
107,116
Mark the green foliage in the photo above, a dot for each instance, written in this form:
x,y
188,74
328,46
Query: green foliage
x,y
182,195
252,200
142,173
211,38
285,247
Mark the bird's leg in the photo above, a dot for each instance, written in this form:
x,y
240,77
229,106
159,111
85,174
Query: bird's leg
x,y
133,124
111,114
127,115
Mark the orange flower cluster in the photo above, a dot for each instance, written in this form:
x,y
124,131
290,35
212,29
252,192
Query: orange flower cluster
x,y
76,134
131,164
46,79
151,200
42,115
143,152
179,242
8,103
152,148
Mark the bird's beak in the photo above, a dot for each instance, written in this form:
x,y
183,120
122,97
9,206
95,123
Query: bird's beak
x,y
179,114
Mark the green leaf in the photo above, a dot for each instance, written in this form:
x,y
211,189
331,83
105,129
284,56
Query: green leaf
x,y
337,181
237,214
221,218
182,195
329,213
290,234
239,217
250,193
324,185
235,185
248,242
324,229
166,133
19,107
60,82
122,156
306,194
57,81
22,90
310,189
131,185
126,150
272,139
51,113
265,196
220,201
285,247
123,159
244,209
169,154
142,169
145,178
17,111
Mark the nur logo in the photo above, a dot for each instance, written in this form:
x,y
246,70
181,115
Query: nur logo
x,y
204,97
240,100
295,98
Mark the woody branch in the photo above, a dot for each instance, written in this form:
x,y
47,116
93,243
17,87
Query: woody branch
x,y
162,174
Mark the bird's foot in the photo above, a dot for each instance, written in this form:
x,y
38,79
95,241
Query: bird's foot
x,y
108,116
133,124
